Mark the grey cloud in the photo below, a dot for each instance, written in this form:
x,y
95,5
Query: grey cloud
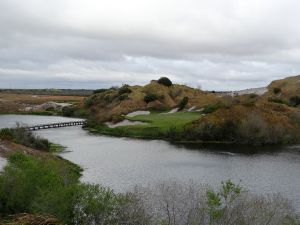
x,y
216,44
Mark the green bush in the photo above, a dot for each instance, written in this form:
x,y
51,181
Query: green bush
x,y
295,101
165,81
88,102
41,186
25,137
123,97
277,100
5,133
253,95
68,111
276,90
150,97
124,90
183,103
210,108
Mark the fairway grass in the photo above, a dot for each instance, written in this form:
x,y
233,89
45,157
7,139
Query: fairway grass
x,y
160,125
165,121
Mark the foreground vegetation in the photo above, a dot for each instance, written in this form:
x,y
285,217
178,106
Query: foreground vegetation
x,y
44,187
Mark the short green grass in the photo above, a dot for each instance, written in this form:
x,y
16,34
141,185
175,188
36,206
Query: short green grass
x,y
165,121
159,125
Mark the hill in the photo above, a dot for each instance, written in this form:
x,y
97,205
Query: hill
x,y
270,118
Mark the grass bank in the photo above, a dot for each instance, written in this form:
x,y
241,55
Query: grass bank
x,y
159,125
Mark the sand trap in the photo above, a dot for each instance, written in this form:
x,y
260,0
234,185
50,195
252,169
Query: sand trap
x,y
124,123
192,109
3,163
137,113
172,111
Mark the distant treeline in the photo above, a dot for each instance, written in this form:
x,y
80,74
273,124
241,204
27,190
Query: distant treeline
x,y
61,92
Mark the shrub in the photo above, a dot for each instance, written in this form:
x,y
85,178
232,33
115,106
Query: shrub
x,y
123,97
276,90
150,97
183,103
249,102
68,111
29,184
25,137
253,95
97,91
210,108
277,100
165,81
178,204
295,101
88,102
6,133
124,90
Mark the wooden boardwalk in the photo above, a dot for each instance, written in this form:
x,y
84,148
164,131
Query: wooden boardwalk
x,y
55,125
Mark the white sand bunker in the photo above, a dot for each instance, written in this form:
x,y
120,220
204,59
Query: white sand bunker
x,y
137,113
124,123
172,111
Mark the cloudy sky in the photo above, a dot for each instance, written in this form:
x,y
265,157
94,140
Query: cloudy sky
x,y
215,44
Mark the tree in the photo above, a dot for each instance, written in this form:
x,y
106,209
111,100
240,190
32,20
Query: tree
x,y
165,81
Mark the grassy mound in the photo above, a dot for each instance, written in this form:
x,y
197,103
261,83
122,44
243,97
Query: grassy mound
x,y
114,102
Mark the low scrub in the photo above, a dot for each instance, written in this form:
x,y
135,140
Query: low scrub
x,y
295,101
276,90
32,185
252,130
210,108
150,97
25,137
124,90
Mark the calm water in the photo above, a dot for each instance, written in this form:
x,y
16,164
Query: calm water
x,y
122,162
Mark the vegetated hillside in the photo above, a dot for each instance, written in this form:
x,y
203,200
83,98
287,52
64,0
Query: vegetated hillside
x,y
273,118
111,103
286,91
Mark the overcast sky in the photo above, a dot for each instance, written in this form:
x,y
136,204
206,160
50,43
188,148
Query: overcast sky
x,y
215,44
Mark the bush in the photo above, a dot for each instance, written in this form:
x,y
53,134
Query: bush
x,y
150,98
253,95
25,137
97,91
276,90
295,101
88,102
277,100
124,90
29,184
123,97
165,81
183,103
68,111
6,133
210,108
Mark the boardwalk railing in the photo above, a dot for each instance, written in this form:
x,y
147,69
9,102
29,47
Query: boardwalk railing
x,y
55,125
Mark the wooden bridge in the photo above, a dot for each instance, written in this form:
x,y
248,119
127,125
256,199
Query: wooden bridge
x,y
55,125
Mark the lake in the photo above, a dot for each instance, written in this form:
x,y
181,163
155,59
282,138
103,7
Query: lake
x,y
121,163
